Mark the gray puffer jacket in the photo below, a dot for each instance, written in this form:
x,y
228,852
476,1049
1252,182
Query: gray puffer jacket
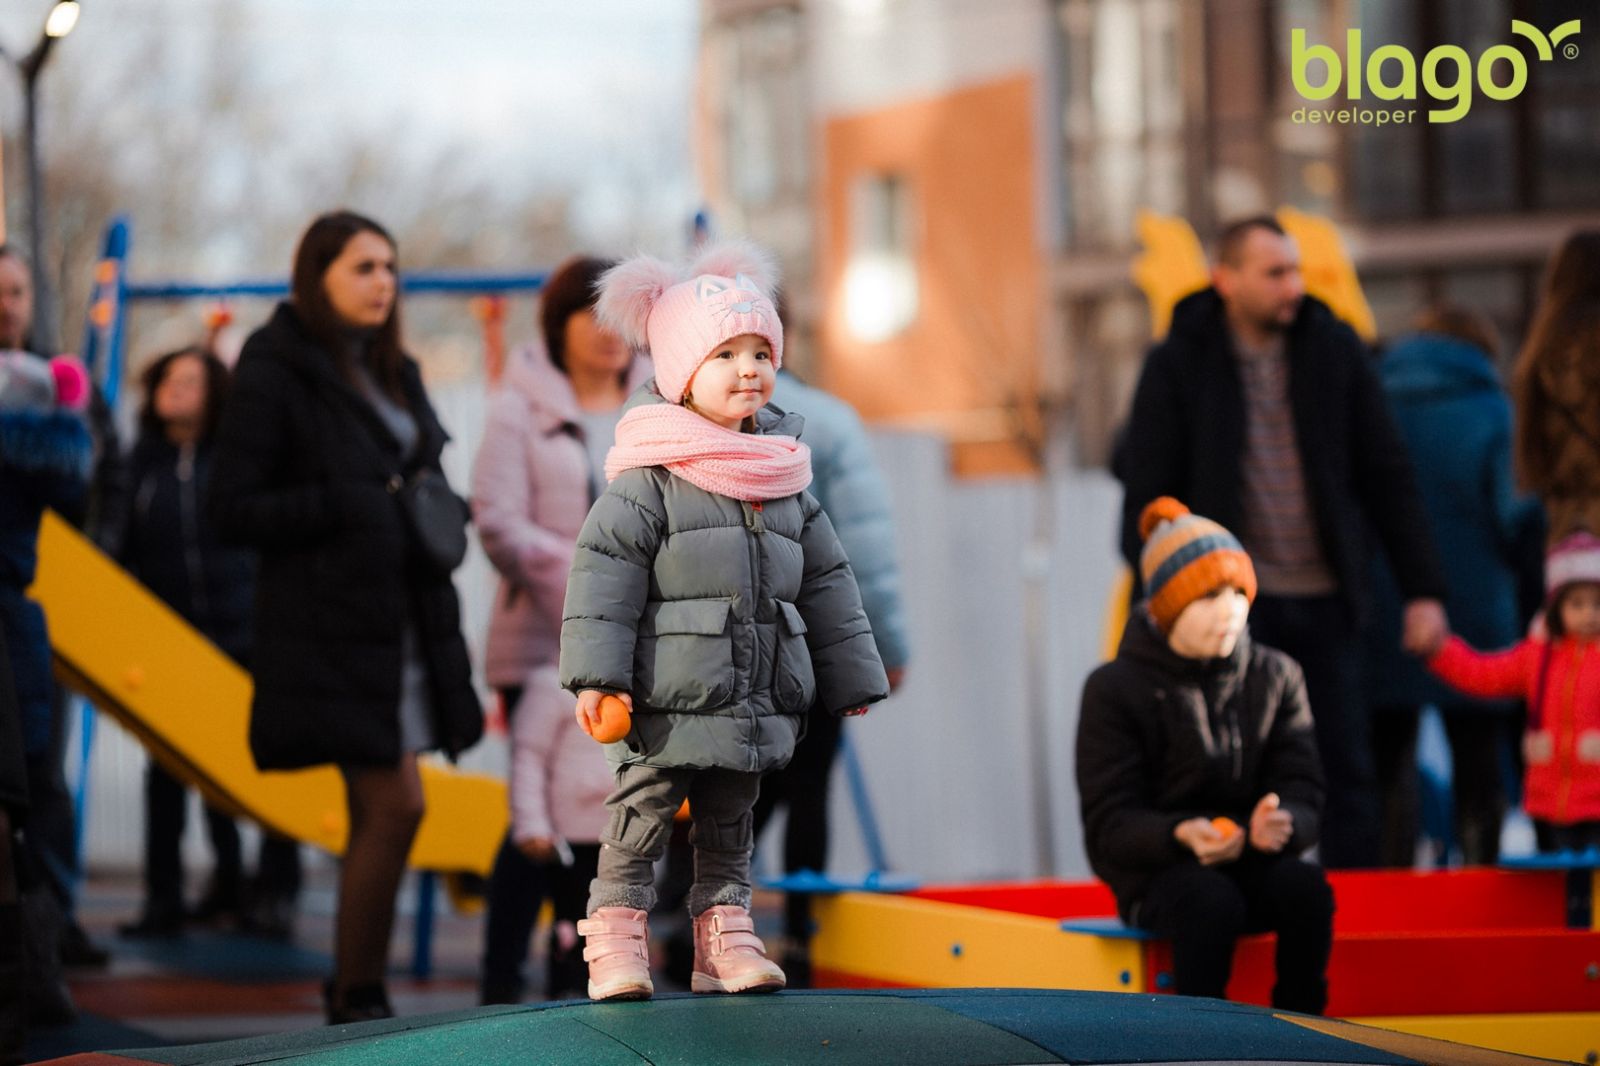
x,y
725,620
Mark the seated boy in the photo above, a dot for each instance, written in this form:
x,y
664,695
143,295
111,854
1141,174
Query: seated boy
x,y
1198,773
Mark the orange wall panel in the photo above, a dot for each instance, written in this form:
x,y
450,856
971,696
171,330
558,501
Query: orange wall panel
x,y
968,158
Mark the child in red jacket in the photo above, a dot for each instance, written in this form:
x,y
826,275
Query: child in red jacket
x,y
1559,676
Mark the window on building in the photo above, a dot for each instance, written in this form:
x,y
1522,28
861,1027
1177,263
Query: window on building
x,y
764,114
1566,158
880,284
1537,150
1121,90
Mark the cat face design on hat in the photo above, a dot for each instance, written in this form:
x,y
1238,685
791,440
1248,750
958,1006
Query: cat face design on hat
x,y
742,297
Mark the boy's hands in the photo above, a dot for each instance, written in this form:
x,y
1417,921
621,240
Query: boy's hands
x,y
588,712
1209,844
1270,825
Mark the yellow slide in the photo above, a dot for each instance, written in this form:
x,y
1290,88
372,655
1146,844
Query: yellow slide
x,y
189,704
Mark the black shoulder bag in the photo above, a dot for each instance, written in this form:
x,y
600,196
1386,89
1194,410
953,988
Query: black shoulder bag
x,y
436,518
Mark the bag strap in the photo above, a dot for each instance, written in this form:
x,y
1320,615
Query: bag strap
x,y
393,471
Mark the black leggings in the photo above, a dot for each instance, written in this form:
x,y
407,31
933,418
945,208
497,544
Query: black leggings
x,y
1575,836
385,811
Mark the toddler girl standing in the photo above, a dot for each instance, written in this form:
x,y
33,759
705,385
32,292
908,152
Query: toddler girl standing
x,y
1559,676
709,593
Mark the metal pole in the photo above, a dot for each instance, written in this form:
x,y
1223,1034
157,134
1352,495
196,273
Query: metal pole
x,y
44,323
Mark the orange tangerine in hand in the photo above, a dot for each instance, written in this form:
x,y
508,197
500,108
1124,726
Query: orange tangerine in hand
x,y
615,721
1225,825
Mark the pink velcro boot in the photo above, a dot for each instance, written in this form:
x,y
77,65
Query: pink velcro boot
x,y
618,953
729,957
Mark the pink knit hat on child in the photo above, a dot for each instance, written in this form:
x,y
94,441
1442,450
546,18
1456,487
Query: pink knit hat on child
x,y
682,313
1575,557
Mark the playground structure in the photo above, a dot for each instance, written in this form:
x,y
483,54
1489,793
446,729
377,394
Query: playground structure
x,y
1501,958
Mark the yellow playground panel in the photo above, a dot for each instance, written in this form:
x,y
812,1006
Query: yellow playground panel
x,y
189,704
1172,265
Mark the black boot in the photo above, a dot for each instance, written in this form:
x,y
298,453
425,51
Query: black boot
x,y
13,985
356,1003
49,1002
160,920
222,904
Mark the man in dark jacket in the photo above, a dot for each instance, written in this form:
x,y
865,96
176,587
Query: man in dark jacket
x,y
1260,409
1197,771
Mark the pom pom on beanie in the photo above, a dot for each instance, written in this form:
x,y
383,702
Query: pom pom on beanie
x,y
71,381
1186,557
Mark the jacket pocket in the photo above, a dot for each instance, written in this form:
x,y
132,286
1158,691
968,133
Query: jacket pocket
x,y
794,681
1538,747
683,659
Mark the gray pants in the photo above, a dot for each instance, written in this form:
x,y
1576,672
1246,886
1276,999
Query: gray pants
x,y
642,807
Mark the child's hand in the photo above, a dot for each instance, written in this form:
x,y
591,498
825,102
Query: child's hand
x,y
1209,844
588,712
539,849
1270,825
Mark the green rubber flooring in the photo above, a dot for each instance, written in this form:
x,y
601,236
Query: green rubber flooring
x,y
840,1028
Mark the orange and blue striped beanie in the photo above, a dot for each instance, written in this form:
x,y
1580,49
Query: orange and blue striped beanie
x,y
1186,557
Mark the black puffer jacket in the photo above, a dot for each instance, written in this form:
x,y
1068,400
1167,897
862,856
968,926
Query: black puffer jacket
x,y
293,478
1162,738
1185,438
13,770
169,545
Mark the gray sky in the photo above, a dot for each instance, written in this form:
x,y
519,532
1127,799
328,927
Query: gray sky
x,y
586,94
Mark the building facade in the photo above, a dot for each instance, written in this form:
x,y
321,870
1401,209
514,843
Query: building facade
x,y
952,184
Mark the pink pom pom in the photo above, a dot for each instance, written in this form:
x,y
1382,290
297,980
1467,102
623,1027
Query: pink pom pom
x,y
727,259
72,382
628,293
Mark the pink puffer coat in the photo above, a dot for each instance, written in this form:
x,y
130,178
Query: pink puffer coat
x,y
530,495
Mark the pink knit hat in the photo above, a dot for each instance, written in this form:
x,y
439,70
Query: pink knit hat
x,y
1575,557
682,313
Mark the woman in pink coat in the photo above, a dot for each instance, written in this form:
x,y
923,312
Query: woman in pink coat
x,y
541,464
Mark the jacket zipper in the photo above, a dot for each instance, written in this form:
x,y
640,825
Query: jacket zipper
x,y
1237,739
754,527
188,516
1566,741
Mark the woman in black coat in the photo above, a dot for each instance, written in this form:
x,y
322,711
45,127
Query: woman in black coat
x,y
168,544
358,658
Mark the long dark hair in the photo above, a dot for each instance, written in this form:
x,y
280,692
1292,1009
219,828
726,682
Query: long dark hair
x,y
217,378
1568,318
322,243
570,290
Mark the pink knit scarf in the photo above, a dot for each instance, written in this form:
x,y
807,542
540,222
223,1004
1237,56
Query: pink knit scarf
x,y
744,466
